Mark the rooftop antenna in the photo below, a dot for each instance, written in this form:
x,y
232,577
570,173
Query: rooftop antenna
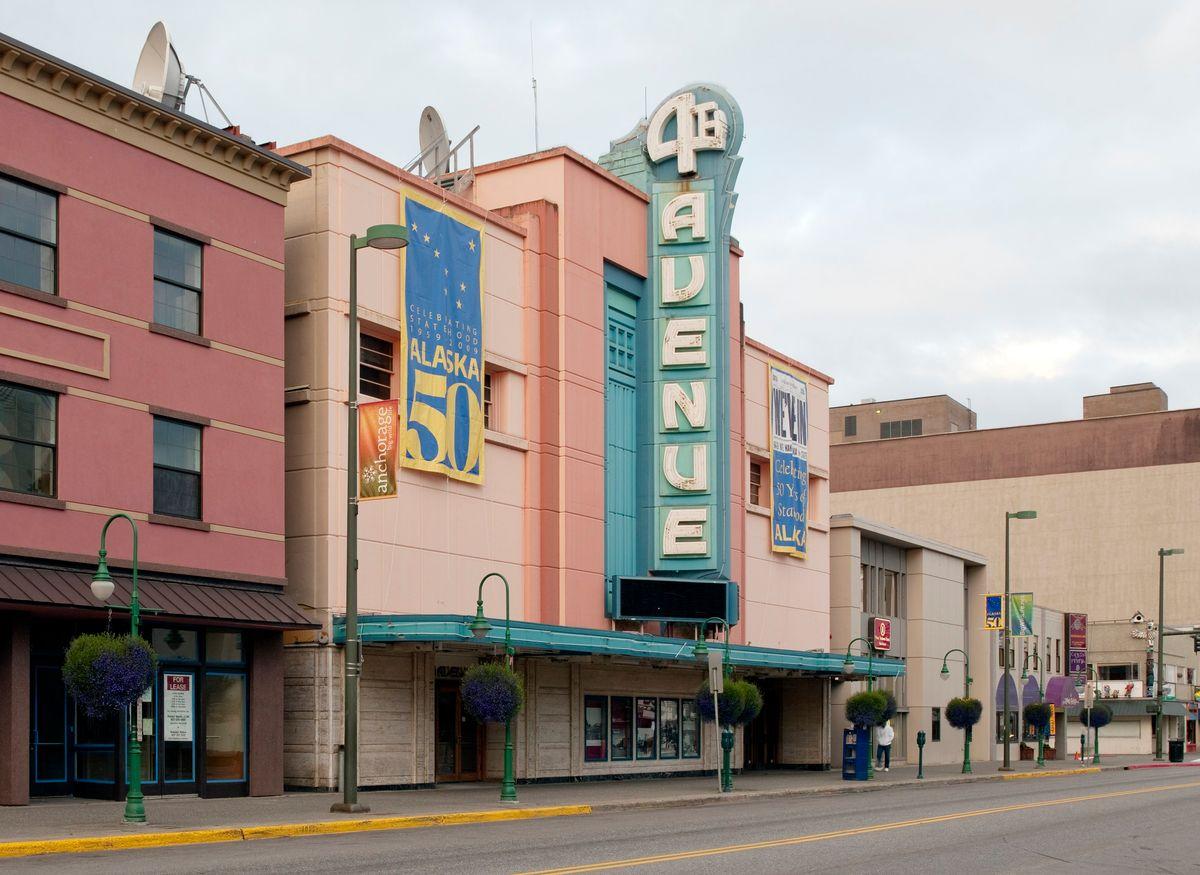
x,y
533,79
160,76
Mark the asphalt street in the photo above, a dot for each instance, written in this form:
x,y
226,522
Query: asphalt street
x,y
1138,821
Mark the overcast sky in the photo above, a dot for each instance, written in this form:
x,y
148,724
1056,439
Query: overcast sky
x,y
1000,201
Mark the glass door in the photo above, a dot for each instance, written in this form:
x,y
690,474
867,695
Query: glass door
x,y
225,734
95,752
48,733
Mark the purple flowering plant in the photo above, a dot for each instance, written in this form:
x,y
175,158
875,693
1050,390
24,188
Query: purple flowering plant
x,y
492,692
106,672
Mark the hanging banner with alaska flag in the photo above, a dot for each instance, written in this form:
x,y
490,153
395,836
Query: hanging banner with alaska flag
x,y
443,321
788,411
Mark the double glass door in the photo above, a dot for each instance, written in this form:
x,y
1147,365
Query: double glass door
x,y
460,739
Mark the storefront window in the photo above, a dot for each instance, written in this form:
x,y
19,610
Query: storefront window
x,y
668,746
935,733
689,729
647,728
225,715
621,728
595,728
95,748
1000,726
176,645
223,647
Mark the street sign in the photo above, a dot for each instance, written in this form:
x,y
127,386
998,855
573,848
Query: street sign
x,y
1089,694
993,611
881,633
716,671
1077,666
1021,615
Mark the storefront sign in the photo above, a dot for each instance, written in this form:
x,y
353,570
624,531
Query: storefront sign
x,y
788,411
1077,666
1077,631
881,633
177,707
993,611
691,142
1021,615
442,302
377,444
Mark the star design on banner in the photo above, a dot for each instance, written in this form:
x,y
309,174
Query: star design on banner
x,y
446,271
470,244
462,287
426,238
459,303
414,226
437,253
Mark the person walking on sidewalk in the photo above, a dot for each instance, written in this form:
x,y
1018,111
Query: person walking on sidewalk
x,y
884,735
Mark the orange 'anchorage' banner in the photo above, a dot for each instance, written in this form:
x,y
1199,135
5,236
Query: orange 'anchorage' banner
x,y
377,445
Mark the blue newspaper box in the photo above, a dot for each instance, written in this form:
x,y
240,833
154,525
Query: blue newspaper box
x,y
856,754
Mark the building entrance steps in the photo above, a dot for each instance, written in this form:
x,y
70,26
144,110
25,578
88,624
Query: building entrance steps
x,y
48,820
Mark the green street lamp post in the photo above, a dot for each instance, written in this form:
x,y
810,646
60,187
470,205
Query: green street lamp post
x,y
1163,553
102,588
377,237
700,651
848,669
479,628
966,769
1008,518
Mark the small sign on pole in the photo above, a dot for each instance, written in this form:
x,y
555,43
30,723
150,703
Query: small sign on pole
x,y
716,672
881,633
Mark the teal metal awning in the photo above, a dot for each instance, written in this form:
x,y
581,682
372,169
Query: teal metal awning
x,y
382,628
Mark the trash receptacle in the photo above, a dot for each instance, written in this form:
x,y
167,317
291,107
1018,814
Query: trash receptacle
x,y
1175,750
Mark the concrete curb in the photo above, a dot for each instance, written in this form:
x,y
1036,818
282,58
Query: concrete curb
x,y
1161,765
91,844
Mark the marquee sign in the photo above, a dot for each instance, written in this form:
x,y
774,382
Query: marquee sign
x,y
691,140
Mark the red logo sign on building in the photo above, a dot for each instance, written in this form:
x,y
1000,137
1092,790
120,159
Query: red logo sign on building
x,y
881,633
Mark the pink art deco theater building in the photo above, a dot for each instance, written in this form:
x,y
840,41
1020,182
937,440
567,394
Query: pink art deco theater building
x,y
582,412
141,371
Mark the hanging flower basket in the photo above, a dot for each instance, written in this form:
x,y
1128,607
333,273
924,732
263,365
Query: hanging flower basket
x,y
1101,716
889,708
752,702
107,672
1037,715
492,692
963,713
866,709
731,702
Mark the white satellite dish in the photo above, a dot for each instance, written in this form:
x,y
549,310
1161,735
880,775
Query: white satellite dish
x,y
159,74
435,145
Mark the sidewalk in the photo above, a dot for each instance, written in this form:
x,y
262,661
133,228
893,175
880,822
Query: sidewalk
x,y
74,818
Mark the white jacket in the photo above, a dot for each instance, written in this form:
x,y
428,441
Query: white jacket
x,y
884,734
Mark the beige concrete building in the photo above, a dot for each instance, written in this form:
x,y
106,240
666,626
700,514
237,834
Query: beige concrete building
x,y
924,588
871,420
1109,492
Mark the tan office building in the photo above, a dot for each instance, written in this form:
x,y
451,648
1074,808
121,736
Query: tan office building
x,y
871,420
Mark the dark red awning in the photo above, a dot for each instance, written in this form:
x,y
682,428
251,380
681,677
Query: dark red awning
x,y
42,588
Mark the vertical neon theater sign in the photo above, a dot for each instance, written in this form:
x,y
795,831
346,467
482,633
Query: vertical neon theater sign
x,y
691,140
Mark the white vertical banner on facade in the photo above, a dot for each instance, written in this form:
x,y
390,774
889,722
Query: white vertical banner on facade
x,y
788,412
177,707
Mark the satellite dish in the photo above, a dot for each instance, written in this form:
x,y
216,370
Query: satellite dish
x,y
435,145
159,74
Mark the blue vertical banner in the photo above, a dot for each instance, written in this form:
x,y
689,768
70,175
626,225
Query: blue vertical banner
x,y
788,411
442,303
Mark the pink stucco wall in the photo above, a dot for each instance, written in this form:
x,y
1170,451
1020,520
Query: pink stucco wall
x,y
105,273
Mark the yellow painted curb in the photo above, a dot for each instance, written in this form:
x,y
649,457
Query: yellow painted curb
x,y
1052,773
330,827
92,844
